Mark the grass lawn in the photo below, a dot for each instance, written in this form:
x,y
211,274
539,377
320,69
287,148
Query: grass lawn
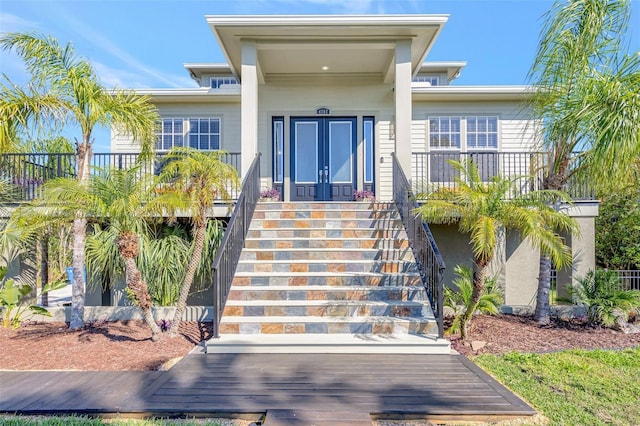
x,y
86,421
577,387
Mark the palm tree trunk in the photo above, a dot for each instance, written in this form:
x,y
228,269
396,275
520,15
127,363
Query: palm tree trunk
x,y
43,252
79,236
198,246
479,277
543,314
78,284
139,288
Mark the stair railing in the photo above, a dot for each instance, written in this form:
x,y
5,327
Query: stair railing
x,y
228,254
423,244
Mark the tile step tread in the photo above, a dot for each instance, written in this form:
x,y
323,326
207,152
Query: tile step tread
x,y
326,274
328,261
327,319
408,303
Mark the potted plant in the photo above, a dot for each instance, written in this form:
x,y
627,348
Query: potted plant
x,y
271,194
364,195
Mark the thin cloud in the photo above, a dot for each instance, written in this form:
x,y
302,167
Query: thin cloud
x,y
334,6
104,44
14,23
125,79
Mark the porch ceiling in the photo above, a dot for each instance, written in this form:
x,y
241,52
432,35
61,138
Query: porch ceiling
x,y
339,46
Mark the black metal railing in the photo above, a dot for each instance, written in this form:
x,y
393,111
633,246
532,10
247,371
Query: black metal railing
x,y
422,242
431,170
228,255
27,172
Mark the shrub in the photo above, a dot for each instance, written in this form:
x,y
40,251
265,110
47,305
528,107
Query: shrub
x,y
459,298
601,293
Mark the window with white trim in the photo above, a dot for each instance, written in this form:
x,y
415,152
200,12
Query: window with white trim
x,y
218,82
199,133
433,80
459,138
444,132
482,132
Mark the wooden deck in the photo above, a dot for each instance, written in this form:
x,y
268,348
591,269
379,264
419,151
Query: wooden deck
x,y
288,388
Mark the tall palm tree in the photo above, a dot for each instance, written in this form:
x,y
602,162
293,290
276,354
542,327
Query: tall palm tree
x,y
201,179
64,88
588,99
484,209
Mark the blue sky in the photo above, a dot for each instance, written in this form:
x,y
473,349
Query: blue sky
x,y
144,43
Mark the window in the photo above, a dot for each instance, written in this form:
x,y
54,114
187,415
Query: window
x,y
444,132
204,133
478,143
218,82
433,80
199,133
368,134
278,149
170,133
482,132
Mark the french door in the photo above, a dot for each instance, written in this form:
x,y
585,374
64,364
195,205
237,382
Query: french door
x,y
323,166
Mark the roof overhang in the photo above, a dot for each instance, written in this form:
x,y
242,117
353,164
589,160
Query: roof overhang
x,y
472,93
200,95
325,45
196,70
452,69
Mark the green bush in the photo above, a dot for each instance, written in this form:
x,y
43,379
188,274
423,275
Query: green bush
x,y
601,293
459,298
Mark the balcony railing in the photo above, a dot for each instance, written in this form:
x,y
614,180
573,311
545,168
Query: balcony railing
x,y
27,172
431,170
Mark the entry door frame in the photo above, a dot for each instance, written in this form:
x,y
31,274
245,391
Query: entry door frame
x,y
319,184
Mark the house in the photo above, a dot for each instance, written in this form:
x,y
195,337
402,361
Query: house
x,y
330,101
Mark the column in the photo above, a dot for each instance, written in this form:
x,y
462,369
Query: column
x,y
248,105
403,107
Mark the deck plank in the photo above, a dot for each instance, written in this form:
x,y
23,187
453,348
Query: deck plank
x,y
304,384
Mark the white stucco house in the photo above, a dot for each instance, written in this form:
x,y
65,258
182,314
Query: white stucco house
x,y
327,100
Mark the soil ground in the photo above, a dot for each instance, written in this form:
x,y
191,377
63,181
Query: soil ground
x,y
122,346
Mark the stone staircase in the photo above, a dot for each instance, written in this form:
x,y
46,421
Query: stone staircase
x,y
327,277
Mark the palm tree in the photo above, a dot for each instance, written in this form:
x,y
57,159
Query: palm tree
x,y
484,209
200,178
65,89
121,199
588,99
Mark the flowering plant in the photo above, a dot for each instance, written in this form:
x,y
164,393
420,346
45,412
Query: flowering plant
x,y
363,195
270,193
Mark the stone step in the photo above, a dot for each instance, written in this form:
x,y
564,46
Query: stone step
x,y
328,254
321,308
373,279
290,233
247,264
304,223
376,325
325,214
265,245
325,206
311,292
329,344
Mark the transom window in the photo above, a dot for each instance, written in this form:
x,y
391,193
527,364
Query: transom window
x,y
217,82
200,133
444,132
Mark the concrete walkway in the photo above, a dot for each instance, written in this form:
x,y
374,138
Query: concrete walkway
x,y
281,388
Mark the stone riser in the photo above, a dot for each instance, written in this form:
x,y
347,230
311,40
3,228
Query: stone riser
x,y
374,325
249,265
328,255
328,294
329,309
302,280
282,233
379,244
323,206
325,214
327,223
